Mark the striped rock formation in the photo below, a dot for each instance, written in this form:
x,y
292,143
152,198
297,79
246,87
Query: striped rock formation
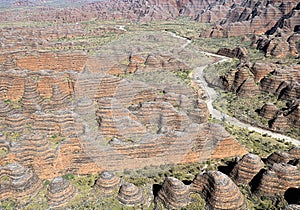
x,y
219,191
278,157
174,194
59,100
31,100
17,122
43,60
268,111
5,109
108,182
292,207
294,152
59,192
278,179
244,171
18,182
56,123
130,195
4,149
40,83
35,151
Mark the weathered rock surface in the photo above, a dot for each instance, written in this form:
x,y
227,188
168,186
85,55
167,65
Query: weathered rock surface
x,y
279,80
219,191
44,60
19,182
278,157
279,45
292,207
108,182
240,81
174,193
278,179
238,52
253,17
268,111
60,191
130,195
245,169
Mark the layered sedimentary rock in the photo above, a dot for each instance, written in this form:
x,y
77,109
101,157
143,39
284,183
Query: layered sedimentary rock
x,y
279,80
5,109
292,207
295,152
278,157
244,171
83,117
278,179
240,81
268,111
137,10
31,100
44,60
238,52
173,193
279,45
17,122
130,195
59,192
248,17
19,182
12,83
286,118
219,191
50,61
4,149
108,182
35,151
61,123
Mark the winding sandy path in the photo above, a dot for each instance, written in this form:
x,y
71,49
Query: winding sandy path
x,y
211,95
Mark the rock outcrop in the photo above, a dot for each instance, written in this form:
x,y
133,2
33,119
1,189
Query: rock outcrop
x,y
282,81
108,182
245,169
252,17
241,81
130,195
60,191
278,157
18,182
279,45
278,179
268,111
219,191
238,52
174,193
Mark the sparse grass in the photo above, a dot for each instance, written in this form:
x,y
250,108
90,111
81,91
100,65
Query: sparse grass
x,y
55,140
263,203
261,145
243,108
3,152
